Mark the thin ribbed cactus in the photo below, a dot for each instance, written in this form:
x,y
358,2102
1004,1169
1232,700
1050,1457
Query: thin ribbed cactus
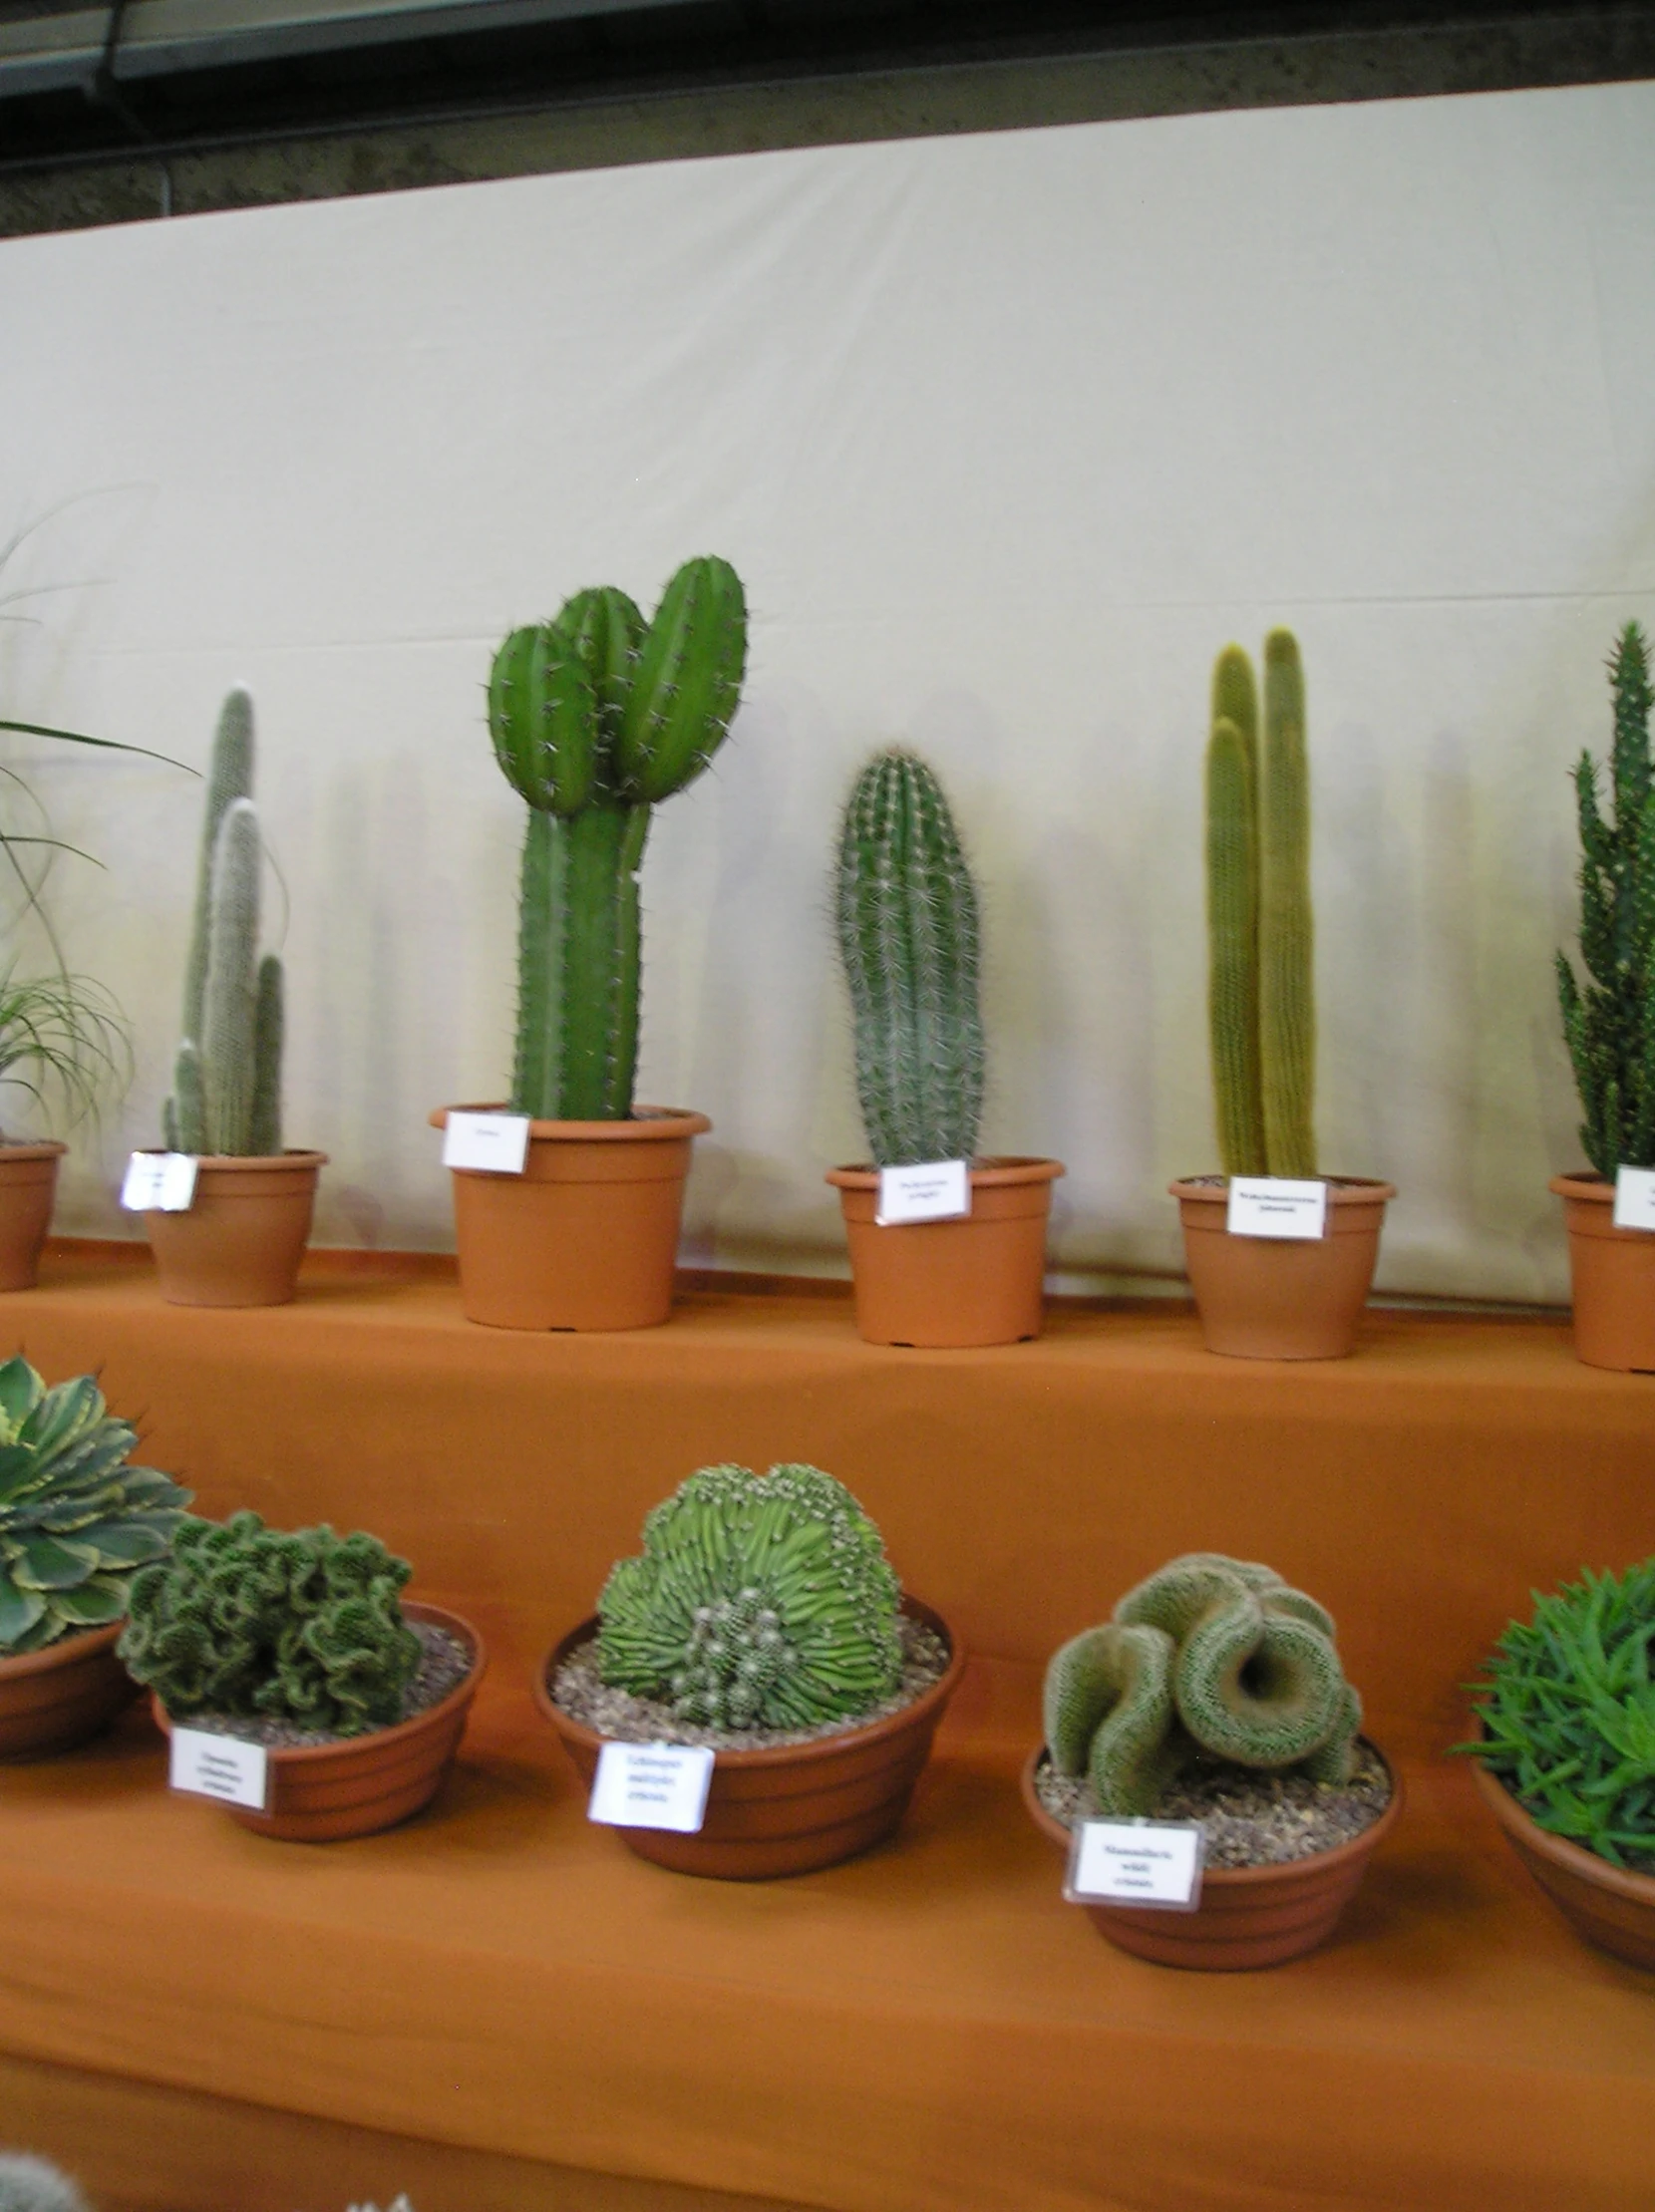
x,y
226,1084
906,912
1261,992
596,718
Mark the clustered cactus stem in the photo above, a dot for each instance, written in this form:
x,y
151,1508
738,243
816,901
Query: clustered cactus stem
x,y
596,718
908,920
1609,1021
1261,987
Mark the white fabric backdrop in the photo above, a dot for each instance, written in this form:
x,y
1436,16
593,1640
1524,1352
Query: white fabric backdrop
x,y
1007,436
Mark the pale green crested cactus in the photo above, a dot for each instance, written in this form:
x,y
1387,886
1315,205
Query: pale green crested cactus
x,y
758,1601
29,2184
1110,1714
908,921
596,718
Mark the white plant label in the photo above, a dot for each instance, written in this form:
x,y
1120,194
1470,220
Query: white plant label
x,y
159,1182
1135,1862
221,1767
652,1785
498,1142
1277,1205
935,1190
1635,1198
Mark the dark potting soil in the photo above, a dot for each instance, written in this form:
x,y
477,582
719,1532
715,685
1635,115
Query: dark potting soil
x,y
445,1663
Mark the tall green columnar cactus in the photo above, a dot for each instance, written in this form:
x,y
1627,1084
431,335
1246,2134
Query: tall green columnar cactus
x,y
596,718
1609,1022
1261,991
227,1096
907,911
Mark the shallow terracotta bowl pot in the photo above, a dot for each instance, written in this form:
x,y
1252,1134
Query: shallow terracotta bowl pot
x,y
53,1700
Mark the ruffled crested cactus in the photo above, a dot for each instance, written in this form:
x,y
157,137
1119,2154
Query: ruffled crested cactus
x,y
252,1623
1609,1022
1261,989
596,718
758,1601
76,1519
906,913
1211,1656
226,1084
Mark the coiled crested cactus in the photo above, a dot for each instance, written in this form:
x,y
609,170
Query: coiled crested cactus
x,y
906,913
595,719
226,1084
1211,1655
1261,1001
758,1601
76,1519
1609,1024
252,1623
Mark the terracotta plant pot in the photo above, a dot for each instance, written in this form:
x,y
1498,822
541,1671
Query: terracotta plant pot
x,y
1612,1274
28,1186
241,1241
586,1237
939,1283
324,1792
1279,1298
1609,1907
51,1700
1248,1916
792,1808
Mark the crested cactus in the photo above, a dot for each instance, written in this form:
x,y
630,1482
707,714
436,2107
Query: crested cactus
x,y
595,719
76,1519
1211,1655
906,915
253,1623
226,1083
758,1601
1261,992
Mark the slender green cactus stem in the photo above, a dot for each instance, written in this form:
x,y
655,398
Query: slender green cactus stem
x,y
230,1003
229,777
1286,985
1232,915
269,1024
577,963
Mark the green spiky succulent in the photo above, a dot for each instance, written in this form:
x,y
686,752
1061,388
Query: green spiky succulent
x,y
76,1518
256,1623
758,1601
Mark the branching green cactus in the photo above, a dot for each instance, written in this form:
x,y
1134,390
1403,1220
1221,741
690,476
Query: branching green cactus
x,y
1212,1655
756,1602
595,719
76,1519
251,1623
226,1084
1261,992
1609,1023
906,912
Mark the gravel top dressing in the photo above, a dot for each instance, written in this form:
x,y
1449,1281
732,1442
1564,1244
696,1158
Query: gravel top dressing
x,y
1248,1818
581,1692
445,1662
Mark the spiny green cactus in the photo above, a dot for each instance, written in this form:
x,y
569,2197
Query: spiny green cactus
x,y
756,1602
226,1084
907,914
1212,1655
75,1519
595,719
1609,1024
1261,992
252,1623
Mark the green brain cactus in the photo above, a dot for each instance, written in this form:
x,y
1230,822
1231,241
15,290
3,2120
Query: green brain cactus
x,y
76,1518
758,1601
253,1623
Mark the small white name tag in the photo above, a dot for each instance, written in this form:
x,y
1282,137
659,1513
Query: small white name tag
x,y
1277,1205
498,1141
159,1182
1635,1198
220,1766
935,1190
652,1785
1135,1862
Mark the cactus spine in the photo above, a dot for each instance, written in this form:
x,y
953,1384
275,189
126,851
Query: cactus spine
x,y
596,718
1261,990
906,913
226,1084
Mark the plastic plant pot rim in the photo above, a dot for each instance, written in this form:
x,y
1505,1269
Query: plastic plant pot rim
x,y
252,1164
1342,1190
645,1124
82,1643
31,1147
993,1172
